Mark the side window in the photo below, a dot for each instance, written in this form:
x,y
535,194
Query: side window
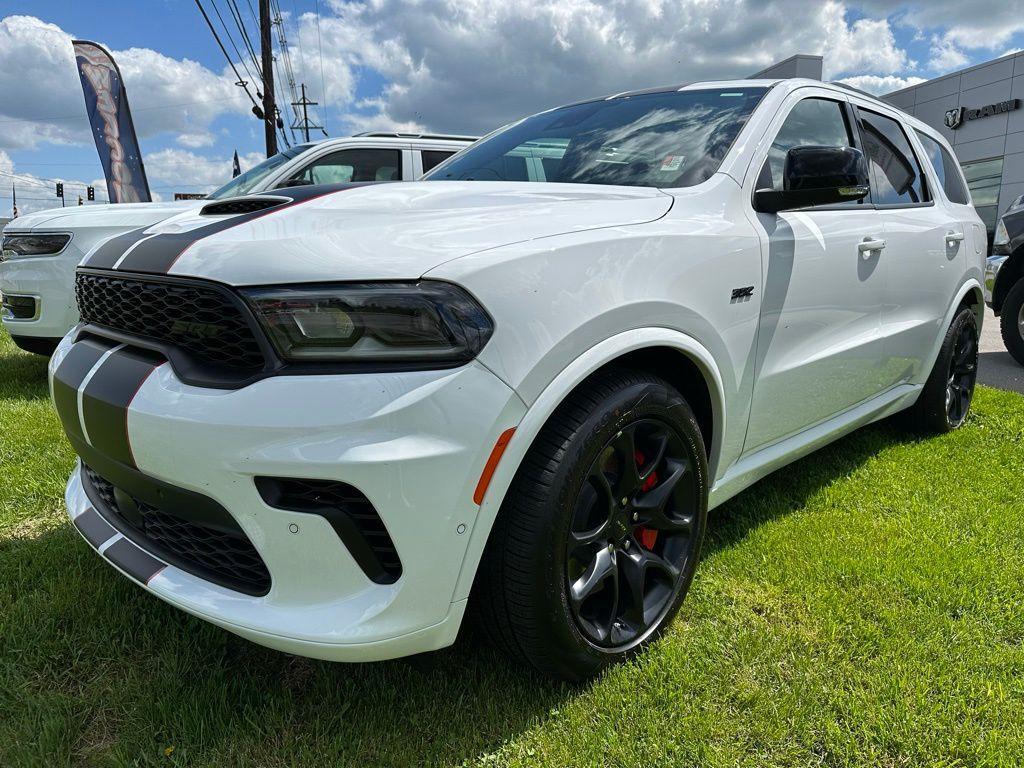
x,y
818,122
433,158
353,165
946,168
896,177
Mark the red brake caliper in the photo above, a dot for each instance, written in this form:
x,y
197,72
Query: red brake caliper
x,y
646,536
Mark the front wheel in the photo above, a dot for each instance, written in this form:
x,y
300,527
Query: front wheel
x,y
599,536
946,398
1011,321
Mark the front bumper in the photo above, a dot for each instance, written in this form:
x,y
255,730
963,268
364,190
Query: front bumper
x,y
414,443
49,282
992,266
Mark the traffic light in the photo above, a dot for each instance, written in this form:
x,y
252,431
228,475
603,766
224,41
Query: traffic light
x,y
60,189
90,193
80,200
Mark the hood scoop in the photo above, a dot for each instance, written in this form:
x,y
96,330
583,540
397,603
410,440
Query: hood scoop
x,y
242,205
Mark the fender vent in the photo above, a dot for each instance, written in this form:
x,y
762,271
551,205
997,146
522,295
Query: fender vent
x,y
241,205
350,514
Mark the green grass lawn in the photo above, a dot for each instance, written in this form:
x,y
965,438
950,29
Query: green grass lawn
x,y
864,606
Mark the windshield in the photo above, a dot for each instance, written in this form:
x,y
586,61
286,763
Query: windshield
x,y
248,181
666,139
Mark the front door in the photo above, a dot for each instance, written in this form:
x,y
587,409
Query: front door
x,y
819,346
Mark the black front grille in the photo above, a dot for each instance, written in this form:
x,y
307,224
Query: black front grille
x,y
225,557
204,322
348,511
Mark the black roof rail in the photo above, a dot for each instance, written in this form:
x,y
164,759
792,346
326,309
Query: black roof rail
x,y
858,91
395,135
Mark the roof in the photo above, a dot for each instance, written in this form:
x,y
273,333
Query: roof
x,y
433,136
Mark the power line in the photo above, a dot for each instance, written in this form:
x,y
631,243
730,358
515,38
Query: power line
x,y
236,14
85,116
231,39
320,49
224,50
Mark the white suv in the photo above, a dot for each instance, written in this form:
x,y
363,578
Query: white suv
x,y
332,421
42,249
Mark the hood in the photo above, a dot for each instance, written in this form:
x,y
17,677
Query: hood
x,y
128,215
399,230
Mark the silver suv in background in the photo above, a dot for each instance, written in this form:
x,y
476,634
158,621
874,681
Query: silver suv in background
x,y
41,250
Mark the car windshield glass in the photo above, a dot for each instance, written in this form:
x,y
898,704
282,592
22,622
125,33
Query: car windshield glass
x,y
665,139
248,181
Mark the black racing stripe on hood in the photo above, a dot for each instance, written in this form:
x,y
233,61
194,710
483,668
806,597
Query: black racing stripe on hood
x,y
106,256
106,398
69,376
157,254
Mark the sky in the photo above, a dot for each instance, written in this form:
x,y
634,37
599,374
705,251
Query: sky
x,y
456,66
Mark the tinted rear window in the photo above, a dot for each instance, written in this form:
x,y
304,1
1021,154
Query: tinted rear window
x,y
946,168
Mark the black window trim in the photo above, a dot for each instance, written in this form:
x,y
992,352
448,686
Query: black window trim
x,y
925,180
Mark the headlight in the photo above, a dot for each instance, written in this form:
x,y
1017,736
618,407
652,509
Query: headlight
x,y
1001,239
18,246
423,322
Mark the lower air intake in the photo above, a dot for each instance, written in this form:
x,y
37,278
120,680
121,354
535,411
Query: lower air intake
x,y
224,557
348,511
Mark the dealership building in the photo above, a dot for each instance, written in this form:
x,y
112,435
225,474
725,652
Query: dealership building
x,y
979,110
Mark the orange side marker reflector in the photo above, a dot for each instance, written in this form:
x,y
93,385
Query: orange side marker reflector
x,y
492,464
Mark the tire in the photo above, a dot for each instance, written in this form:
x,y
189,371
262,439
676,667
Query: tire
x,y
566,559
37,345
946,398
1011,321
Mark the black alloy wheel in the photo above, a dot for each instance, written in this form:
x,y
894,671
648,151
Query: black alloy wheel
x,y
963,371
632,532
945,399
599,534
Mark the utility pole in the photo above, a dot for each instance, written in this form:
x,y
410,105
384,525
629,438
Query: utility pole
x,y
304,125
267,59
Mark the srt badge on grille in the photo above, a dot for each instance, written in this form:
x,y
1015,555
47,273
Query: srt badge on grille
x,y
196,330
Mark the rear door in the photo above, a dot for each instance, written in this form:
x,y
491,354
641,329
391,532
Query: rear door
x,y
819,345
926,245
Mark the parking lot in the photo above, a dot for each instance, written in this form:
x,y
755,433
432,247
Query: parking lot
x,y
996,368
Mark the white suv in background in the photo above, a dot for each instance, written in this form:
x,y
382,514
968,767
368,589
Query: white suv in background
x,y
41,250
333,421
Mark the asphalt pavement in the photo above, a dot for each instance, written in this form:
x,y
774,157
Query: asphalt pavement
x,y
995,367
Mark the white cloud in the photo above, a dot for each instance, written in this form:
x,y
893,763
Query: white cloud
x,y
179,170
946,54
196,140
881,84
460,66
42,96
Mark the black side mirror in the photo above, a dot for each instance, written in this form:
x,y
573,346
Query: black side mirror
x,y
817,176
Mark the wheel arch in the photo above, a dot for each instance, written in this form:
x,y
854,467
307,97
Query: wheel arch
x,y
682,360
969,295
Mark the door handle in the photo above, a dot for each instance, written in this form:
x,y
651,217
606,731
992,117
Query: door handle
x,y
867,245
952,238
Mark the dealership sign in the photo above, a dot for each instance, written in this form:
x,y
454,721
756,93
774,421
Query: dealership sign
x,y
956,117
